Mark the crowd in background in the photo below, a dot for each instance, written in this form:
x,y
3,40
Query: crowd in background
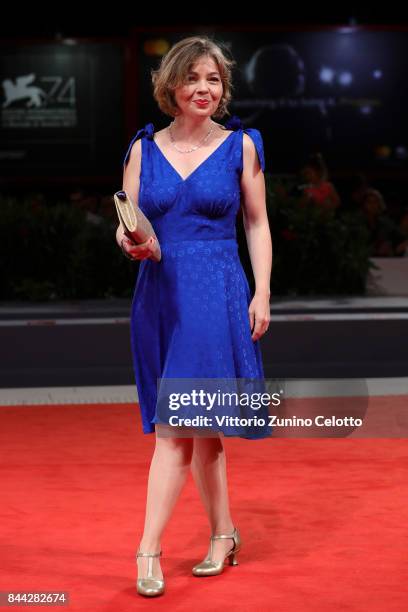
x,y
387,221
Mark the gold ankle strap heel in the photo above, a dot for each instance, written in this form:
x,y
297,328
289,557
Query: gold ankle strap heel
x,y
208,567
150,586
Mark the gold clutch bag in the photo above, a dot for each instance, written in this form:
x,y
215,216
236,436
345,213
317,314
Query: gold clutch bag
x,y
136,225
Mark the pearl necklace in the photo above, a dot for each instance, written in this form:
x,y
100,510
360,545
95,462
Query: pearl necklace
x,y
194,148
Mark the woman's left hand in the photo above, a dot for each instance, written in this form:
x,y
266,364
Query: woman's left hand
x,y
259,314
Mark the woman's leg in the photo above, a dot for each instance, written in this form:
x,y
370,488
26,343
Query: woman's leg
x,y
208,466
167,474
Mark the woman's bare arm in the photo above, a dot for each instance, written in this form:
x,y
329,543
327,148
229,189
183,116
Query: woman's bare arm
x,y
258,237
131,181
131,184
255,217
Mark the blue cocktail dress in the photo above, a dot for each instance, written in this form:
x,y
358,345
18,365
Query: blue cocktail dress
x,y
189,313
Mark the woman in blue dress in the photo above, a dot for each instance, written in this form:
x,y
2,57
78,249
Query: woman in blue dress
x,y
192,313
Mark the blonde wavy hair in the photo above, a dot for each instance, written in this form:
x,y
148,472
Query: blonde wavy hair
x,y
177,62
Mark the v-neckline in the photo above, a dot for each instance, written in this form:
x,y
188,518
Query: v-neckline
x,y
182,179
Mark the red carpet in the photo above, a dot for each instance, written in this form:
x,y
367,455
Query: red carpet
x,y
323,521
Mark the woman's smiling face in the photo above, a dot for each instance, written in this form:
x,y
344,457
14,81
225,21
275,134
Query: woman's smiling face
x,y
202,83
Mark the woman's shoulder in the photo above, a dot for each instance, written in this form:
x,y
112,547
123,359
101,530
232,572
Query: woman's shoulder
x,y
134,147
251,138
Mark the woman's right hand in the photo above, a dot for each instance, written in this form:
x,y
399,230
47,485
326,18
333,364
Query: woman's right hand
x,y
131,250
143,250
